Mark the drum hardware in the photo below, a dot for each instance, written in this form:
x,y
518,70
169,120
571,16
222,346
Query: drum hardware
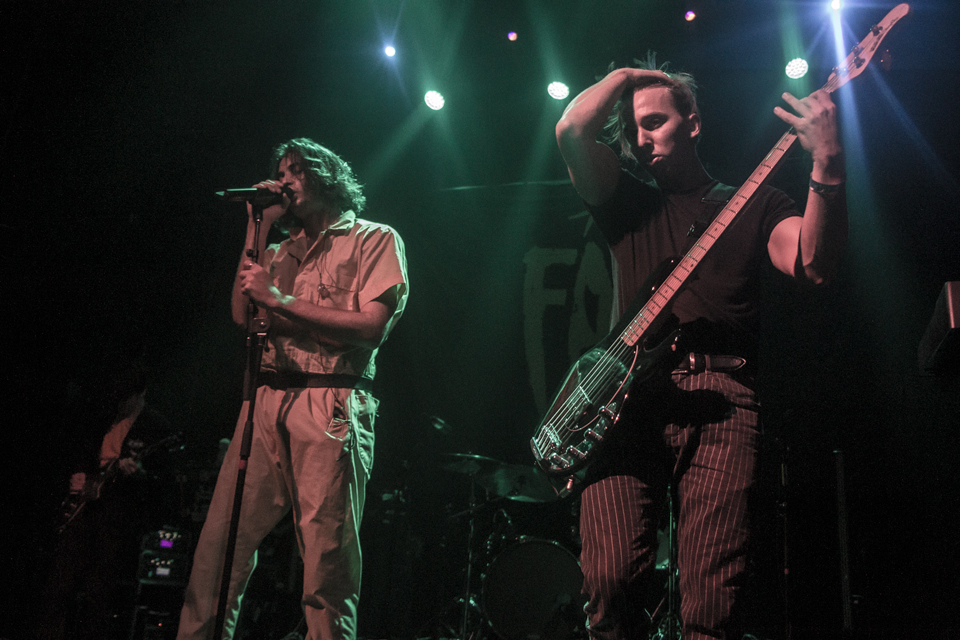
x,y
477,468
665,620
517,482
468,601
532,591
503,533
530,586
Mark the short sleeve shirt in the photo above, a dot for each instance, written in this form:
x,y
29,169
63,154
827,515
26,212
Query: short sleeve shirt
x,y
353,262
719,306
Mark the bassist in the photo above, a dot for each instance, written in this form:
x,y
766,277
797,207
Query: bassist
x,y
698,428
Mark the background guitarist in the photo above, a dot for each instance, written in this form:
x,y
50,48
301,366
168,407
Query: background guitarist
x,y
697,428
120,486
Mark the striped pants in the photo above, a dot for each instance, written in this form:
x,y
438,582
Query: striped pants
x,y
701,432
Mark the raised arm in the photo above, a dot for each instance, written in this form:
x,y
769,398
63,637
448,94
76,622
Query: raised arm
x,y
811,248
594,168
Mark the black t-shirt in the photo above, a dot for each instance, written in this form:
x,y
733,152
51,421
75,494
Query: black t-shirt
x,y
718,306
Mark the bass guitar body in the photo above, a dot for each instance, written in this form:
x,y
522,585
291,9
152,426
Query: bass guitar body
x,y
595,389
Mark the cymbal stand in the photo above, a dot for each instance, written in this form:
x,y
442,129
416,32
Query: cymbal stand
x,y
668,613
468,587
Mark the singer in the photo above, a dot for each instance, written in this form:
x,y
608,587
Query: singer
x,y
332,291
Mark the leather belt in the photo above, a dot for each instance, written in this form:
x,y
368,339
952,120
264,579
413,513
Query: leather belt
x,y
301,380
698,362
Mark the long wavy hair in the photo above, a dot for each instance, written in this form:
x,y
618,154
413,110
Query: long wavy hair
x,y
621,128
327,175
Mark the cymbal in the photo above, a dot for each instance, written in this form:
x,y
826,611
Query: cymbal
x,y
469,464
517,482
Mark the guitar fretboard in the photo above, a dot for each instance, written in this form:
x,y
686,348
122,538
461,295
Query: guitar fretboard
x,y
662,297
853,64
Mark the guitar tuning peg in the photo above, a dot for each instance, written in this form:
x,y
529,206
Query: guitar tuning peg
x,y
856,51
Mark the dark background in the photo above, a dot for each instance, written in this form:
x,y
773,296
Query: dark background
x,y
120,120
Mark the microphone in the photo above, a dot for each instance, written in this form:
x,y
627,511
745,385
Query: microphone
x,y
262,197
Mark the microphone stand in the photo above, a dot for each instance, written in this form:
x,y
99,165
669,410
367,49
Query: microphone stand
x,y
257,326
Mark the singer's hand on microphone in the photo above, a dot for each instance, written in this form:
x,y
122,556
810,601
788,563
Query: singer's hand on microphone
x,y
270,214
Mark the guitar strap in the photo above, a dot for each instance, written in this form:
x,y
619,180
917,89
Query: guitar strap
x,y
718,197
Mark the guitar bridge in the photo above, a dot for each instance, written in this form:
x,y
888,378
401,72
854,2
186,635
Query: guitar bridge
x,y
576,453
557,461
610,414
594,436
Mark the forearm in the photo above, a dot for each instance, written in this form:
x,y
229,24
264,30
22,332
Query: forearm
x,y
586,115
594,168
344,327
823,231
364,328
823,236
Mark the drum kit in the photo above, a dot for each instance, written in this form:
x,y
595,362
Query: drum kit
x,y
530,586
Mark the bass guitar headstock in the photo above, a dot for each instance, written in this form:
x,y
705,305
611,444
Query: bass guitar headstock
x,y
863,52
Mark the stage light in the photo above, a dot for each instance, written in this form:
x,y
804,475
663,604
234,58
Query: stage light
x,y
797,68
836,5
390,51
512,36
558,90
690,16
434,100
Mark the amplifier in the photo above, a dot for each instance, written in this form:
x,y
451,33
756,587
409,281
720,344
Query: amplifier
x,y
164,558
939,350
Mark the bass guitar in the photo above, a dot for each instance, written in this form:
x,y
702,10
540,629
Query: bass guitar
x,y
597,385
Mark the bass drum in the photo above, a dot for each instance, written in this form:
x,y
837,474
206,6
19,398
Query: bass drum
x,y
531,591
